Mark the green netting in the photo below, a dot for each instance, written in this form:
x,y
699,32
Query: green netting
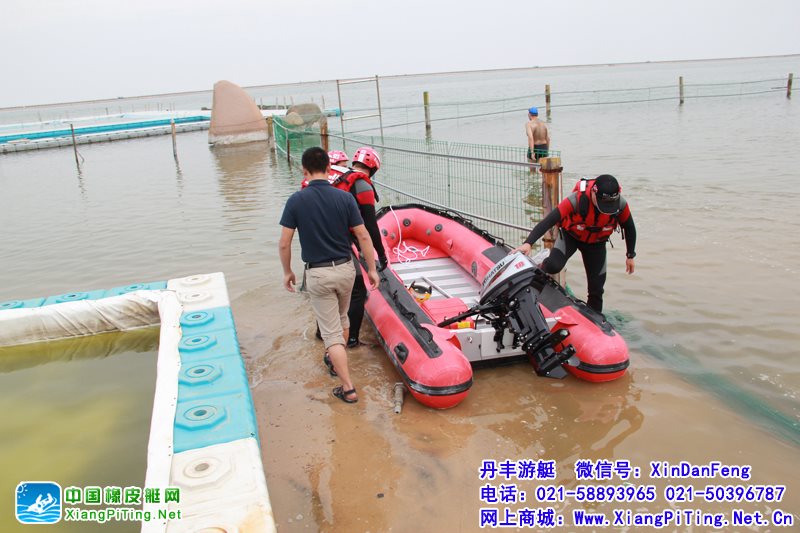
x,y
290,139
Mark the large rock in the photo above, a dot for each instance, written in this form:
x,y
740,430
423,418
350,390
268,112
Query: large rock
x,y
305,115
235,117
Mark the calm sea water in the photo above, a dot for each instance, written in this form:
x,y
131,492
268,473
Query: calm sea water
x,y
710,314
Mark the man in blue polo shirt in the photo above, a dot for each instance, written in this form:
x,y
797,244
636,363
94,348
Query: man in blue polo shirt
x,y
324,217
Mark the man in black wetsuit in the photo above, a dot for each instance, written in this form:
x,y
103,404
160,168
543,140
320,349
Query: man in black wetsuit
x,y
586,219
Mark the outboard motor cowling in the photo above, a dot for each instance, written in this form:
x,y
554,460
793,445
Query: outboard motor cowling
x,y
507,290
512,272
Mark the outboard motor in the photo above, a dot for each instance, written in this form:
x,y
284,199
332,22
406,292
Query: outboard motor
x,y
507,293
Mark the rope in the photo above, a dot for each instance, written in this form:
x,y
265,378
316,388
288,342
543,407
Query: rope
x,y
403,248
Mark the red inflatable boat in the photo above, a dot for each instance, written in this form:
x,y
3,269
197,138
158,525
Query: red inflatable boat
x,y
454,295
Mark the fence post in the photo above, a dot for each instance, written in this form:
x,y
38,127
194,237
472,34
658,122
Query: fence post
x,y
551,177
426,104
551,171
547,100
75,146
380,109
447,159
680,85
271,134
174,139
789,86
323,133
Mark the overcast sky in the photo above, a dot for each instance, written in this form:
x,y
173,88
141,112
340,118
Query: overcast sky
x,y
65,50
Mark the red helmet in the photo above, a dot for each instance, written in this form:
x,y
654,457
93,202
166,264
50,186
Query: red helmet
x,y
337,156
368,157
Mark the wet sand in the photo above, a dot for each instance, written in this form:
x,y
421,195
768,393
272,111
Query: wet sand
x,y
337,467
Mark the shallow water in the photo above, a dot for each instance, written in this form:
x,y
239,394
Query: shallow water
x,y
710,314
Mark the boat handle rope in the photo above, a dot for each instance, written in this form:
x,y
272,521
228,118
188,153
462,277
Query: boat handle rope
x,y
403,248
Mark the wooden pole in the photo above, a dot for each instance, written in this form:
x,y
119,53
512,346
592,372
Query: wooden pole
x,y
547,99
174,139
680,85
427,105
270,133
789,86
551,175
270,127
551,180
323,133
75,146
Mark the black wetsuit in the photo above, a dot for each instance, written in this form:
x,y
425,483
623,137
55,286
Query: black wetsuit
x,y
593,254
359,295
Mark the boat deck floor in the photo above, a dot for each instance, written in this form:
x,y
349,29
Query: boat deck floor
x,y
446,277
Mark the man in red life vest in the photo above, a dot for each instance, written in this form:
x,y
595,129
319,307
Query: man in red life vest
x,y
358,181
587,218
338,159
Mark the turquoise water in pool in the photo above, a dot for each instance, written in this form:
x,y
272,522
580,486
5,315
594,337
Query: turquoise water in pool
x,y
76,412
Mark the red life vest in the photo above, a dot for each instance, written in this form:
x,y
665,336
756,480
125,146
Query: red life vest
x,y
347,180
336,171
584,221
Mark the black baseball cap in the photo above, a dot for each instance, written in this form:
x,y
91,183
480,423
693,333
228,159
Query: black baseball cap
x,y
606,190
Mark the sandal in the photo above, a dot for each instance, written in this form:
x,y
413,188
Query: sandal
x,y
342,394
327,360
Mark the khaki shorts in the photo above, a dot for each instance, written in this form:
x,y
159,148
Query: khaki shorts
x,y
330,289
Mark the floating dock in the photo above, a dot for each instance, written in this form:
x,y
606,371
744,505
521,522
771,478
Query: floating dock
x,y
203,432
38,140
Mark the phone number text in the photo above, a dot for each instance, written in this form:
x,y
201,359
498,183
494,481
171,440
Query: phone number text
x,y
671,493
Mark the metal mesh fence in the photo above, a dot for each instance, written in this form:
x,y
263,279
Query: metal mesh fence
x,y
406,115
492,184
